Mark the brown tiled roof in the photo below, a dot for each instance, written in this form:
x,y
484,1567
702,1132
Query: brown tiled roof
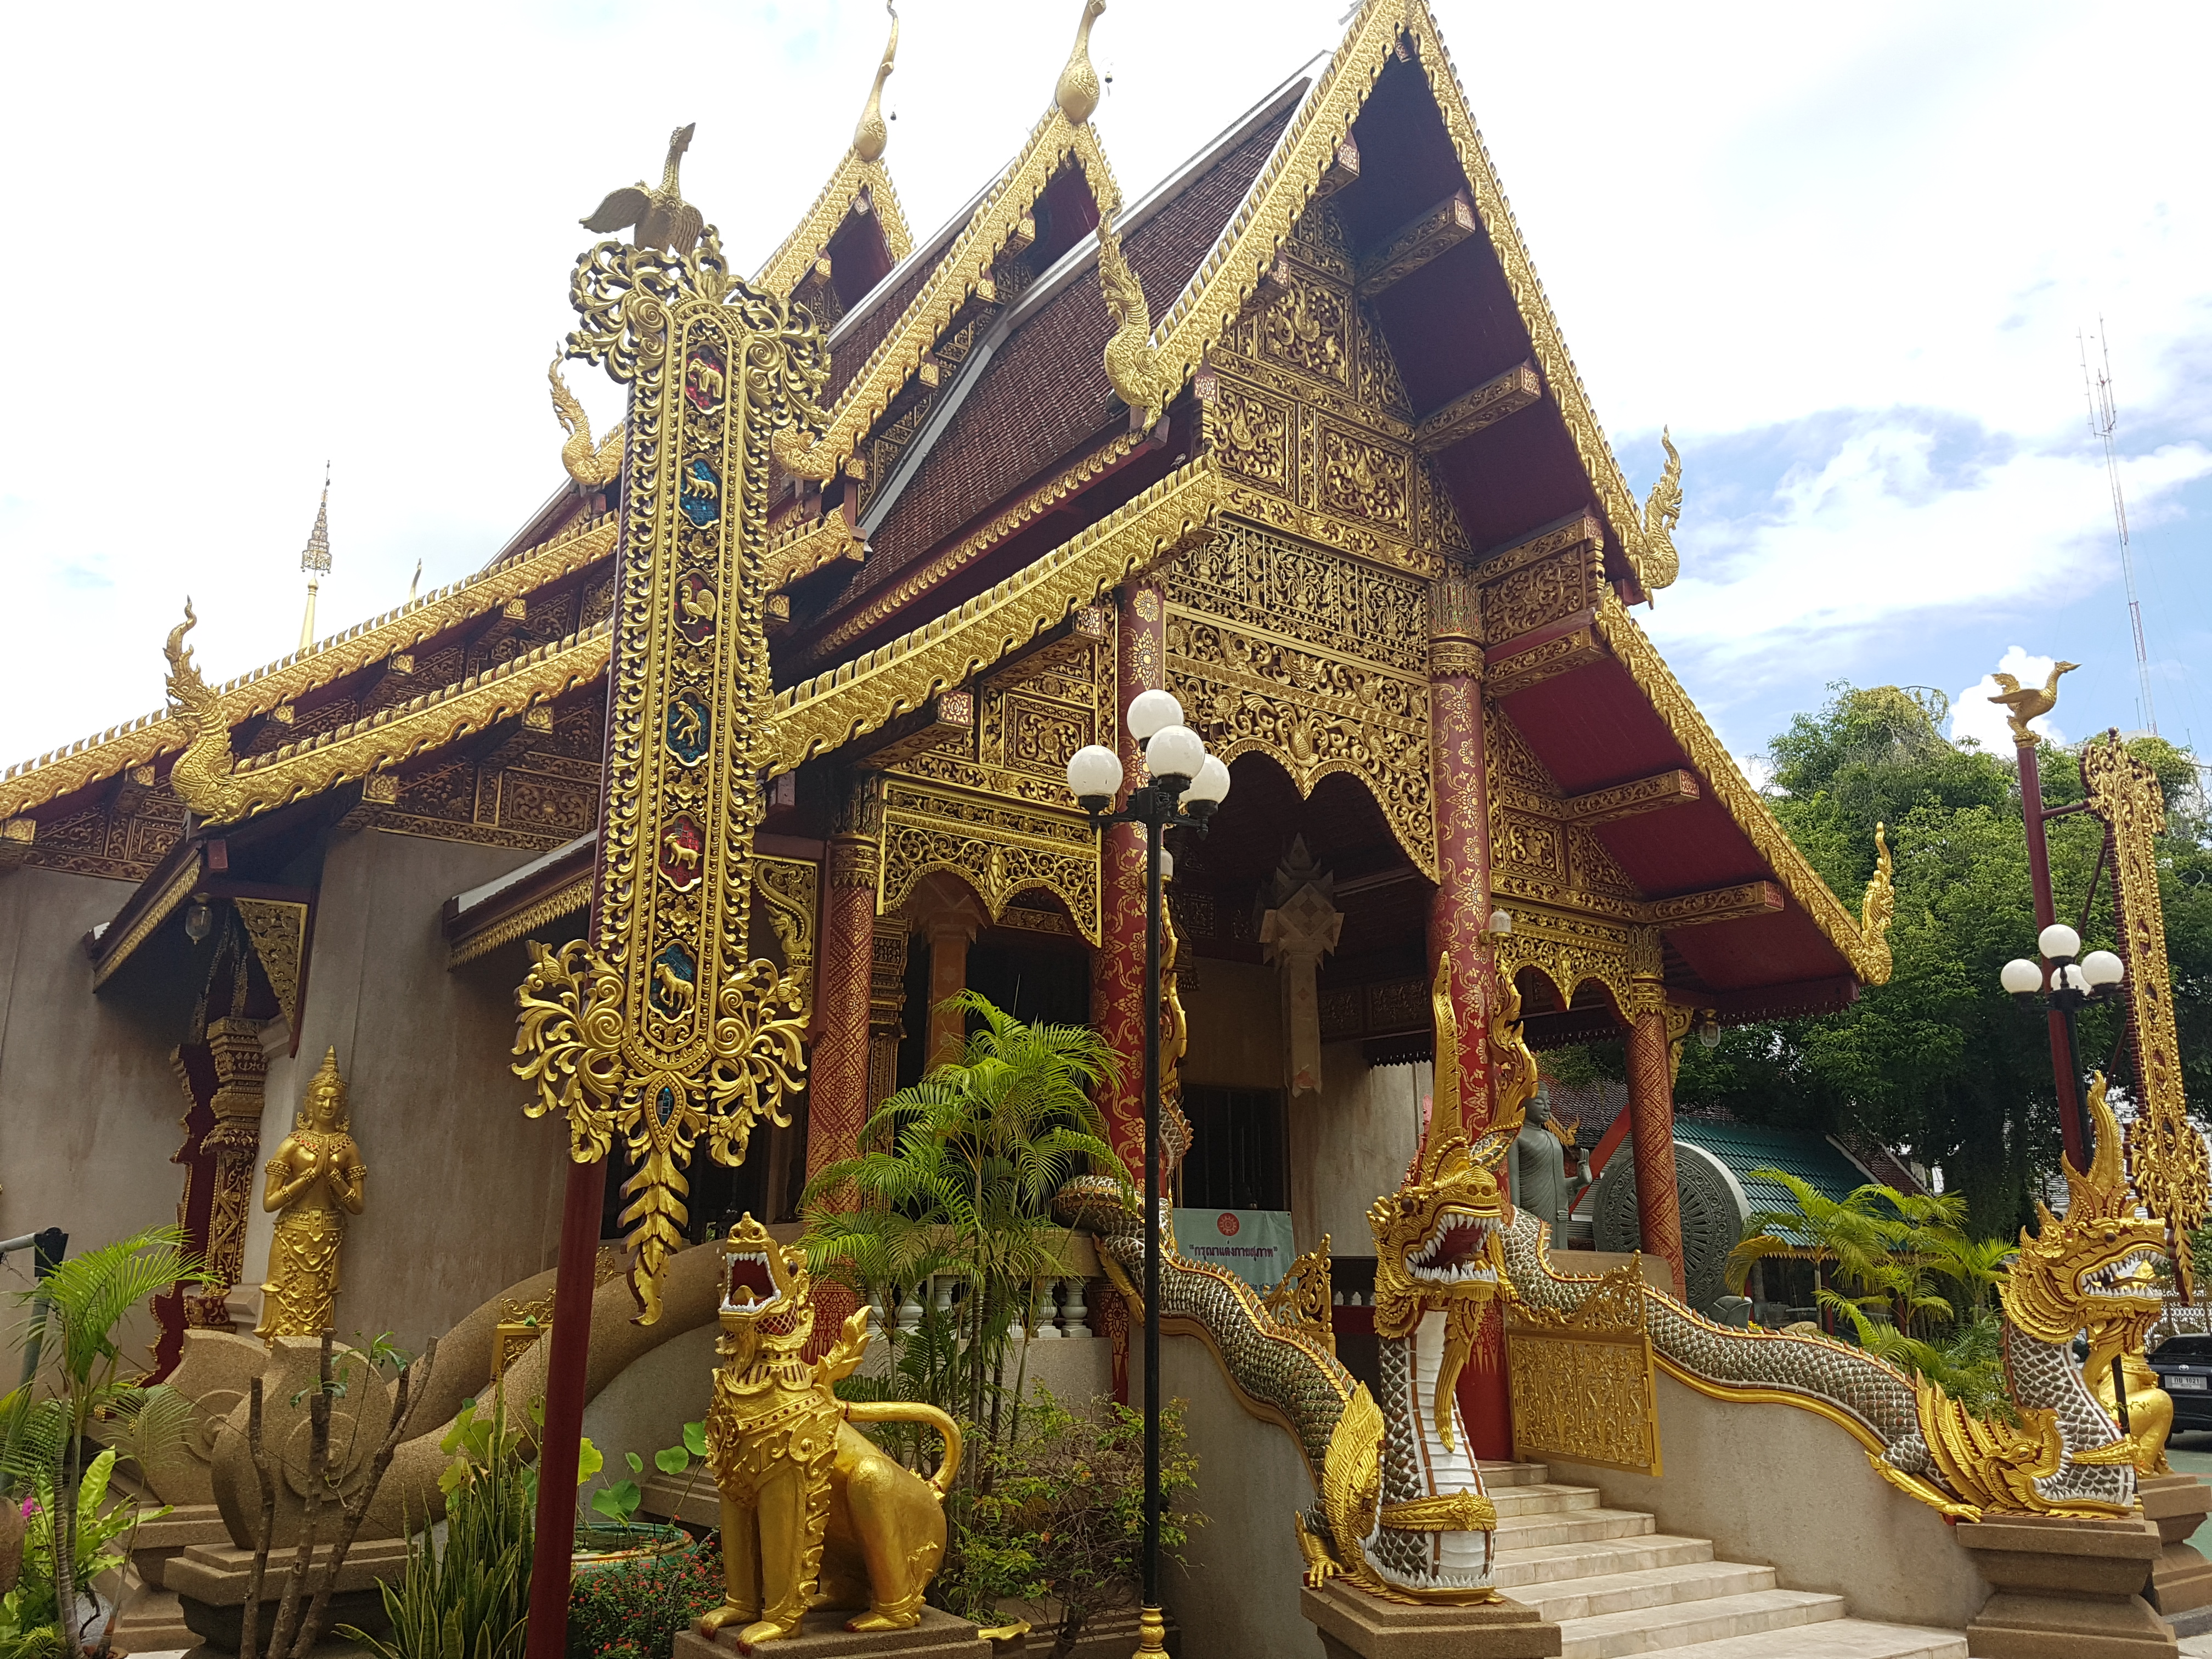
x,y
1045,391
884,306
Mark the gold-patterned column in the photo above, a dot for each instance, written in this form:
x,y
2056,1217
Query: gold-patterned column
x,y
887,1007
1117,971
1459,915
1651,1124
837,1099
838,1103
241,1068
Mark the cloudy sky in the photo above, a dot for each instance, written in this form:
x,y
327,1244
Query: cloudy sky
x,y
1845,252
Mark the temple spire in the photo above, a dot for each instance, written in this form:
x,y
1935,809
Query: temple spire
x,y
315,560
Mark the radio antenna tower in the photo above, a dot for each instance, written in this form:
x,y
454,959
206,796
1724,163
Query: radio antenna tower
x,y
2104,418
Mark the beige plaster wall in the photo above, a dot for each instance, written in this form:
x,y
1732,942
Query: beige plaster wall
x,y
1350,1144
1239,1598
464,1193
1235,1014
1775,1486
88,1107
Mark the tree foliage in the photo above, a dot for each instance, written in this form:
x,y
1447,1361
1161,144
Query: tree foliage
x,y
1940,1062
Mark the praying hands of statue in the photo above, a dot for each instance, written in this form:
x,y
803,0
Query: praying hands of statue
x,y
316,1172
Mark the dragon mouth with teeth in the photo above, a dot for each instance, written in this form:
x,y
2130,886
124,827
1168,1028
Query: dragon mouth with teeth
x,y
1458,1253
2131,1278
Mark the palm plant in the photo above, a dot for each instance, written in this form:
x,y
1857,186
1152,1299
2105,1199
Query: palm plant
x,y
1876,1253
958,1182
1846,1238
74,1315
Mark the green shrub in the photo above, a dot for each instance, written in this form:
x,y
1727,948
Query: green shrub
x,y
470,1600
633,1609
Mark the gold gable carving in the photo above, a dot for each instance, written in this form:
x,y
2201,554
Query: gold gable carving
x,y
1319,662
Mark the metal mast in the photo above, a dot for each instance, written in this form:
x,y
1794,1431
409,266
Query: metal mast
x,y
2104,418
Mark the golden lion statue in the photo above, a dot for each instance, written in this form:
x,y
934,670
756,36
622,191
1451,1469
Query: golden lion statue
x,y
814,1514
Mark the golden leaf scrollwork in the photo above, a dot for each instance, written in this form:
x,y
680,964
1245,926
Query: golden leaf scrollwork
x,y
2166,1155
664,1026
1302,1299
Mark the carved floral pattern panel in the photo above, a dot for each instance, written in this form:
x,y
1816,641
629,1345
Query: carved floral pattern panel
x,y
1316,661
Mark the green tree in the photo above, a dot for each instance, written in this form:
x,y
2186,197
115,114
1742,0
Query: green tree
x,y
1940,1062
958,1182
74,1315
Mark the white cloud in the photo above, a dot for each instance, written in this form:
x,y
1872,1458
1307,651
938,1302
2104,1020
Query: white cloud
x,y
1973,715
1884,526
1758,770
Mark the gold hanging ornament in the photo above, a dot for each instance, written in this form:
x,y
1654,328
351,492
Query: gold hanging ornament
x,y
662,1025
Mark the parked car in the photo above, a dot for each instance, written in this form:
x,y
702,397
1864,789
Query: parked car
x,y
2184,1364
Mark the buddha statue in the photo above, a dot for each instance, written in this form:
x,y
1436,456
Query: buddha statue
x,y
315,1181
1540,1168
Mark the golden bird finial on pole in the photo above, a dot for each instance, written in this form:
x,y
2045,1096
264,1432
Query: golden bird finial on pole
x,y
662,218
871,134
1077,93
2024,703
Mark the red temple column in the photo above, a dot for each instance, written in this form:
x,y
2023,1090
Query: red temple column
x,y
1117,969
837,1102
1459,917
1651,1126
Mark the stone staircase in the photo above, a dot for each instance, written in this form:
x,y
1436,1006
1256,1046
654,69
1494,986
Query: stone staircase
x,y
1619,1586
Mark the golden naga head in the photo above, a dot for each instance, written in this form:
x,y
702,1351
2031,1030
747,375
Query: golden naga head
x,y
2100,1261
324,1105
1439,1244
767,1293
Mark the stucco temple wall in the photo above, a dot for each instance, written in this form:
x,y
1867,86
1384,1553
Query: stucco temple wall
x,y
463,1193
89,1106
1350,1144
1816,1512
1239,1597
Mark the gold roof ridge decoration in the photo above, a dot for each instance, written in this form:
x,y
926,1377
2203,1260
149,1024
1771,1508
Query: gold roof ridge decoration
x,y
859,179
1864,944
963,264
139,742
1229,275
831,708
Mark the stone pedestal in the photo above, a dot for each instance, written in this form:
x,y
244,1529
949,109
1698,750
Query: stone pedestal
x,y
210,1581
824,1635
2066,1589
1352,1622
2181,1578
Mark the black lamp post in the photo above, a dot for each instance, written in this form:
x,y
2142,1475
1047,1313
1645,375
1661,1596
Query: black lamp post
x,y
2066,986
1186,786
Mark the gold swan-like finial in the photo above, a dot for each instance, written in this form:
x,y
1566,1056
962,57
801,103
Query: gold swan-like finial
x,y
871,134
1077,95
662,217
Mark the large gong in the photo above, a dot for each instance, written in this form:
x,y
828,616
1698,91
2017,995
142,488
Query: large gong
x,y
1713,1207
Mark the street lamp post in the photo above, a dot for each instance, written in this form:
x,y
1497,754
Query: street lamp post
x,y
2065,986
1187,784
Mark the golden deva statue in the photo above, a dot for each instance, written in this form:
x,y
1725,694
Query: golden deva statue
x,y
315,1181
814,1513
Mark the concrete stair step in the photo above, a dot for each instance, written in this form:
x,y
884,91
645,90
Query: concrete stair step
x,y
1517,1570
1646,1588
1837,1638
1501,1473
1654,1629
1542,1497
1574,1527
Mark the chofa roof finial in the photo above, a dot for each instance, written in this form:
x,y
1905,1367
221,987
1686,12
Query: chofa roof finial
x,y
870,133
1077,93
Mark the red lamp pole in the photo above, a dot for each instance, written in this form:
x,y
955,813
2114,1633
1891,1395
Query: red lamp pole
x,y
2072,1129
